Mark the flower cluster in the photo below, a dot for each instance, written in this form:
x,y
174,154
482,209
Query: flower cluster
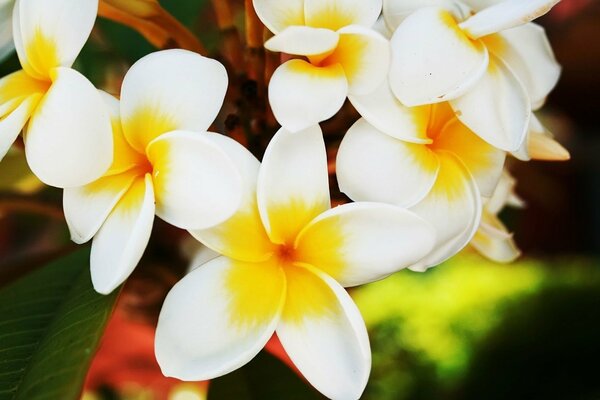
x,y
446,90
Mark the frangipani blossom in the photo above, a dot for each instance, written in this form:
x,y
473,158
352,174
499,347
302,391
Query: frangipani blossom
x,y
342,55
484,57
423,158
492,239
286,257
68,139
6,38
539,144
165,164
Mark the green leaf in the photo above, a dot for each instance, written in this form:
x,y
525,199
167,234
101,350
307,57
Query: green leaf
x,y
51,322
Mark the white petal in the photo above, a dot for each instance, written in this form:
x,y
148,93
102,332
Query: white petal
x,y
396,11
293,183
433,60
279,14
453,207
494,242
359,243
217,318
12,124
49,34
540,145
7,45
527,51
372,166
69,141
303,40
302,95
87,207
497,108
336,14
323,333
381,28
385,112
505,15
120,243
197,185
171,90
502,194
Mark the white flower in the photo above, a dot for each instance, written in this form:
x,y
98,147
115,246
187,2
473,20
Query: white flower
x,y
163,155
285,259
68,140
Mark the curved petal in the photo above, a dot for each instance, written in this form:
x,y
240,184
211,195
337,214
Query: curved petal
x,y
293,183
505,15
302,95
385,112
433,60
323,333
217,318
243,236
279,14
494,242
171,90
197,185
16,87
497,109
365,56
68,141
336,14
49,34
504,191
359,243
87,207
396,11
372,166
7,45
454,209
120,243
527,51
12,124
303,40
484,162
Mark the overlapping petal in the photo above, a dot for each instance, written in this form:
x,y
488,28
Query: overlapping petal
x,y
229,310
323,333
336,14
196,184
279,14
304,40
170,90
433,60
494,241
68,140
363,242
396,11
120,243
12,124
293,184
302,95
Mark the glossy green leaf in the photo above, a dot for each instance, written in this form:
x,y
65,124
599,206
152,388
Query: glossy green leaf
x,y
51,322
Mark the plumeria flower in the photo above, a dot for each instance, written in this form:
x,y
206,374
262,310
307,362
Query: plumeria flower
x,y
423,158
493,240
165,164
484,57
340,53
286,257
540,144
68,140
6,38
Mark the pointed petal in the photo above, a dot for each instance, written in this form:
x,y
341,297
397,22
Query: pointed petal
x,y
68,141
385,112
336,14
279,14
497,109
12,124
502,194
323,333
359,243
49,34
218,318
171,90
120,243
484,162
243,236
494,242
505,15
87,207
544,147
372,166
197,185
365,56
303,40
302,95
293,183
433,60
396,11
527,51
454,209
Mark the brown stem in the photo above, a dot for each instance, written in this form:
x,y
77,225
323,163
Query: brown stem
x,y
232,47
